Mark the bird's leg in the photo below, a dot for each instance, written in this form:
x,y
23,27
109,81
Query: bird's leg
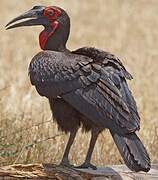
x,y
65,159
87,164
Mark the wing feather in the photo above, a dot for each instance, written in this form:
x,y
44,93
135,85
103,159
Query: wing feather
x,y
93,84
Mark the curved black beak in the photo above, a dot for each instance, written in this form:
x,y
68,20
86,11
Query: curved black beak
x,y
34,16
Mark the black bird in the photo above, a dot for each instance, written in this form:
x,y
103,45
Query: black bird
x,y
86,87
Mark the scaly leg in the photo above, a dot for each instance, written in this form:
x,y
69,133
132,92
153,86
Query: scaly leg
x,y
65,159
87,164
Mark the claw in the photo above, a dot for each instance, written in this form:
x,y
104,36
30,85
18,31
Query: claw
x,y
66,163
86,165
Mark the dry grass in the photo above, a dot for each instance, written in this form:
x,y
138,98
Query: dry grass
x,y
129,29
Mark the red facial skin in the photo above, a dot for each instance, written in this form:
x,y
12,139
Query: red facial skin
x,y
51,14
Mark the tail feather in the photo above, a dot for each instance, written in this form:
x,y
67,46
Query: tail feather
x,y
132,151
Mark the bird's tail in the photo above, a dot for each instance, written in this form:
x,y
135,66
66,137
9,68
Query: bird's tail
x,y
132,151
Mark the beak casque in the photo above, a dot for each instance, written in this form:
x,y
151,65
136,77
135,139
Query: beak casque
x,y
34,17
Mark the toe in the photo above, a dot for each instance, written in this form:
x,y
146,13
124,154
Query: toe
x,y
66,163
86,165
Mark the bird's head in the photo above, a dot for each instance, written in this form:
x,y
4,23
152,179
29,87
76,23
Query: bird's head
x,y
56,24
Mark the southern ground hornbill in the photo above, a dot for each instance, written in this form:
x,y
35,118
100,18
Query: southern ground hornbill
x,y
86,87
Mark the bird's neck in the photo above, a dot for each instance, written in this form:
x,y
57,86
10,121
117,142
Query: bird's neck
x,y
55,37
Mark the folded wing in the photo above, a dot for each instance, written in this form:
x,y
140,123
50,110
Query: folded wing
x,y
93,83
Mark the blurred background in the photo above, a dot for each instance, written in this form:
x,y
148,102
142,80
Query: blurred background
x,y
128,29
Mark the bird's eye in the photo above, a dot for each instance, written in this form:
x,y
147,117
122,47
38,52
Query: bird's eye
x,y
50,13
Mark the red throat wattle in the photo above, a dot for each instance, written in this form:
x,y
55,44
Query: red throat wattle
x,y
44,35
51,14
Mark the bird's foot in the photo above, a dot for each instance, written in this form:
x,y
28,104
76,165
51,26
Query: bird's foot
x,y
86,165
65,162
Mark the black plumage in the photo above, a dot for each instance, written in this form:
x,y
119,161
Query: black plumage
x,y
86,88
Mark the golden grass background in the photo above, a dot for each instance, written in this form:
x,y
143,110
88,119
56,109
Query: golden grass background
x,y
127,28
